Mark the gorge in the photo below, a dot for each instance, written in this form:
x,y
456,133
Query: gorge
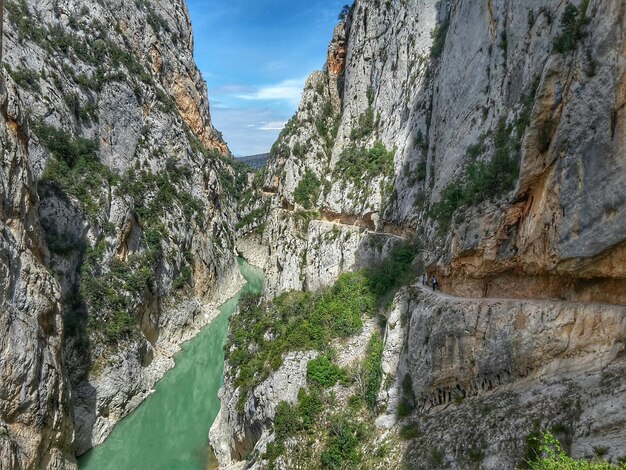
x,y
481,142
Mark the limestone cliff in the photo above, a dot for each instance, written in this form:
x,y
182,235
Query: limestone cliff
x,y
116,218
501,370
491,134
503,127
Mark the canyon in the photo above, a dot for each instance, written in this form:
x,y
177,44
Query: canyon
x,y
481,142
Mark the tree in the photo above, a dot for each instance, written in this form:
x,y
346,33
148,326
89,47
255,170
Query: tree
x,y
345,11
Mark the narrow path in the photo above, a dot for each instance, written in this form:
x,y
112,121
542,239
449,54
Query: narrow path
x,y
534,301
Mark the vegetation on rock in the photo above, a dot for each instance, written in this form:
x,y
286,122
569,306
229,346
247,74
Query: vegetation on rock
x,y
484,180
359,166
573,22
552,457
308,190
439,39
261,334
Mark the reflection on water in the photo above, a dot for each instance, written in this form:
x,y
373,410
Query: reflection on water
x,y
169,430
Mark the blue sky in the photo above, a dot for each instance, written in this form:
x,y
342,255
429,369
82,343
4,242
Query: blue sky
x,y
255,56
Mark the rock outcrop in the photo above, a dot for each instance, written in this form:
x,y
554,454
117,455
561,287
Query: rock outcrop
x,y
234,435
507,147
505,369
117,224
489,135
35,414
492,135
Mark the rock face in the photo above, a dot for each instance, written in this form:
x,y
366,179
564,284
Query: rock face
x,y
490,133
234,435
520,367
117,229
493,134
35,416
455,101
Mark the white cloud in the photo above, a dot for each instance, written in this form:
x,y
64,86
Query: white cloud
x,y
287,90
273,126
251,130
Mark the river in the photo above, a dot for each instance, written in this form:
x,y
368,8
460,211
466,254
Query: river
x,y
169,430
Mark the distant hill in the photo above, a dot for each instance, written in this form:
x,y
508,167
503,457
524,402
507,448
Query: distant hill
x,y
256,161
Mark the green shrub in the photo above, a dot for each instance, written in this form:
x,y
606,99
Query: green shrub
x,y
290,419
372,370
75,169
327,124
157,22
20,15
27,78
183,278
309,407
342,449
286,420
359,166
321,371
552,457
308,189
573,22
439,39
410,431
365,126
64,147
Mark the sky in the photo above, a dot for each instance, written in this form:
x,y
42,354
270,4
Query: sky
x,y
255,56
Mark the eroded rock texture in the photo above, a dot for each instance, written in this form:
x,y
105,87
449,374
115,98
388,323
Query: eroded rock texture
x,y
117,229
500,370
35,416
494,137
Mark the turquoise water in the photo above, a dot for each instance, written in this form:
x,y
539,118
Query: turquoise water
x,y
169,430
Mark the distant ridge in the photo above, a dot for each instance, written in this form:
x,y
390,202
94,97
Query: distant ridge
x,y
256,161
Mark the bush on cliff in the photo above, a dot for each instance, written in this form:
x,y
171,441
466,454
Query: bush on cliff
x,y
323,372
573,21
308,190
553,458
261,334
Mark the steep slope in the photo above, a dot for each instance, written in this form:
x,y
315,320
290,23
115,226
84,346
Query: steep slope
x,y
490,136
484,122
117,227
